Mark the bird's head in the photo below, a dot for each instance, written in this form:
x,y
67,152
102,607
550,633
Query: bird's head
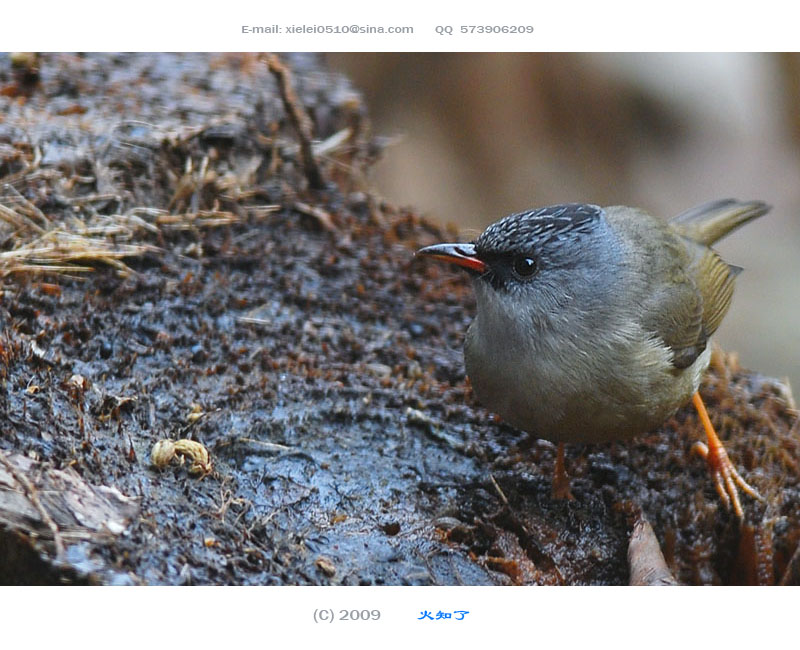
x,y
542,265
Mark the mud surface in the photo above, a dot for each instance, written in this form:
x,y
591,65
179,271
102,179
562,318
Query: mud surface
x,y
290,331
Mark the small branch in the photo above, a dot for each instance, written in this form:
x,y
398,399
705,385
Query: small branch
x,y
645,560
299,118
33,497
791,576
503,497
323,217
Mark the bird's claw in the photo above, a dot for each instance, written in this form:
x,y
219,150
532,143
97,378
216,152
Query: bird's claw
x,y
726,478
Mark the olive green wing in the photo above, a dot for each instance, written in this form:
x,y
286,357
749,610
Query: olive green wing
x,y
715,279
689,308
703,299
682,288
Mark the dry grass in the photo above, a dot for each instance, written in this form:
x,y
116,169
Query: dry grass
x,y
35,243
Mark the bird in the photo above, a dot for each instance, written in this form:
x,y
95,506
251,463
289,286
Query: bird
x,y
594,323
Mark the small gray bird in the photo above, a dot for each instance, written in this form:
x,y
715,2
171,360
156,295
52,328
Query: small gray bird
x,y
593,323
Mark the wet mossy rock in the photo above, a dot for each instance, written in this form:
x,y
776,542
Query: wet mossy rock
x,y
172,268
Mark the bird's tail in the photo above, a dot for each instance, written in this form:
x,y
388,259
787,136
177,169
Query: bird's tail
x,y
712,221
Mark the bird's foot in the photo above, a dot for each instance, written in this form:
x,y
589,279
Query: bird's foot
x,y
560,477
726,478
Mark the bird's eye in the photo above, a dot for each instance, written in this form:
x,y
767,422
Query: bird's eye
x,y
523,266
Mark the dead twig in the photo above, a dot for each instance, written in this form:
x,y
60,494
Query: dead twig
x,y
645,560
323,217
299,119
198,219
792,573
503,497
268,447
18,220
24,205
33,497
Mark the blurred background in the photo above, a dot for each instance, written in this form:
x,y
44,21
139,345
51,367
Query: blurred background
x,y
481,135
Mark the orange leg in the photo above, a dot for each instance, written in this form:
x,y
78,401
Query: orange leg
x,y
725,476
560,479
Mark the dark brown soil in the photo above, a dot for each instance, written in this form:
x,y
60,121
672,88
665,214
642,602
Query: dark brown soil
x,y
291,332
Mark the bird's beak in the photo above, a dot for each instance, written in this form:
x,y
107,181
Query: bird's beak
x,y
461,254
